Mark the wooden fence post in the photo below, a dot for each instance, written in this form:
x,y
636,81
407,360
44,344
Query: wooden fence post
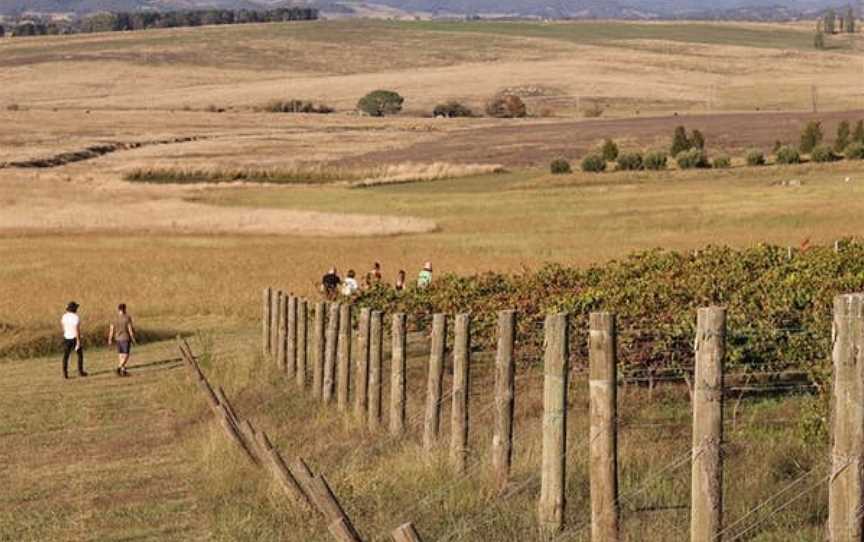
x,y
397,374
302,341
291,338
406,533
275,312
330,353
361,380
375,347
318,349
554,467
432,422
706,496
505,395
265,321
461,392
846,485
339,525
281,330
603,437
343,358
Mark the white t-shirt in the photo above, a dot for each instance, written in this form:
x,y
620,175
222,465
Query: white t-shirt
x,y
349,286
70,323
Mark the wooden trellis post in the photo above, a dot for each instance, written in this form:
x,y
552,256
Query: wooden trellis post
x,y
376,339
331,339
505,395
846,485
397,374
461,392
603,437
343,376
265,321
361,380
706,496
302,342
432,421
291,338
554,462
318,348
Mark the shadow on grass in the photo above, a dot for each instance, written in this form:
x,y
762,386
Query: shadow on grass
x,y
36,343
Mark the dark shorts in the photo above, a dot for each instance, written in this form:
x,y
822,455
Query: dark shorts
x,y
124,347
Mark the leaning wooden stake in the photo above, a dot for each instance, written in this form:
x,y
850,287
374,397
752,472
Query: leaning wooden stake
x,y
554,461
330,350
603,436
505,394
291,338
318,348
339,525
432,422
265,321
361,380
302,342
706,496
406,533
376,339
343,363
461,392
397,375
846,485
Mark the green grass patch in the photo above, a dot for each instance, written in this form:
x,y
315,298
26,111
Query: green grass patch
x,y
221,176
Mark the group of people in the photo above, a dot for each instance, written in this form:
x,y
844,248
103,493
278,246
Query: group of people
x,y
120,331
332,285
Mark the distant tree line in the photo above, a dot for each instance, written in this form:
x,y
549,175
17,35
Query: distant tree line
x,y
833,23
142,20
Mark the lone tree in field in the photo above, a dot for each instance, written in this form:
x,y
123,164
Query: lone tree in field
x,y
858,134
609,150
381,102
680,142
842,140
811,136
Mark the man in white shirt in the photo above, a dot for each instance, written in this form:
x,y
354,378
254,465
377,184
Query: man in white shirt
x,y
71,324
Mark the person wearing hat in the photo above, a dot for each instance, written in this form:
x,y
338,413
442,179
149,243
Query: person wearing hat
x,y
425,277
71,324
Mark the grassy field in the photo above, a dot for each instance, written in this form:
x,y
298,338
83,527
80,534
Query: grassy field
x,y
139,459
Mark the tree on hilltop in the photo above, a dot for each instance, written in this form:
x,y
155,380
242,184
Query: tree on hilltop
x,y
680,142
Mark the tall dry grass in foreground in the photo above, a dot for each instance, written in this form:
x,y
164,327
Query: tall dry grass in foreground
x,y
383,482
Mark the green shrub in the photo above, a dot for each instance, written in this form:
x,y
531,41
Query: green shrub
x,y
811,136
858,134
655,160
560,167
451,109
379,103
755,157
506,106
855,151
692,159
788,154
823,153
593,111
697,140
609,151
294,106
844,132
722,162
593,163
680,141
630,161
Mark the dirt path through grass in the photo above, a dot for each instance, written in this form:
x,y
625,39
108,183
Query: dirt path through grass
x,y
96,458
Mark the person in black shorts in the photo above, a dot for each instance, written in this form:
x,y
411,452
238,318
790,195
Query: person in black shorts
x,y
123,332
330,284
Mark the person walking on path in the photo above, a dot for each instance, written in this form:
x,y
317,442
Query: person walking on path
x,y
123,332
71,324
400,281
425,277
